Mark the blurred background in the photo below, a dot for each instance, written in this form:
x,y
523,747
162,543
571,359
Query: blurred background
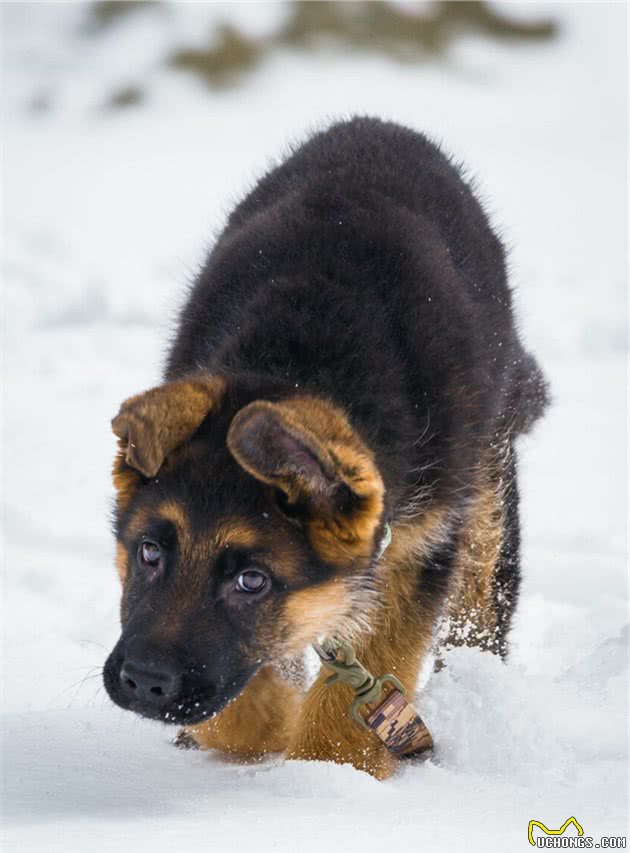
x,y
129,129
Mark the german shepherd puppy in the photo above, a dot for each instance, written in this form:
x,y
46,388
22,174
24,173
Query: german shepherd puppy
x,y
347,364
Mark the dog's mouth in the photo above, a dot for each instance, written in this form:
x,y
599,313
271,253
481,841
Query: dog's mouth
x,y
193,699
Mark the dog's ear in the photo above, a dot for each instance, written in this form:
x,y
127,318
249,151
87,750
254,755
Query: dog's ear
x,y
307,450
153,424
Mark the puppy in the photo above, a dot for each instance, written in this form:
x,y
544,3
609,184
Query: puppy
x,y
346,365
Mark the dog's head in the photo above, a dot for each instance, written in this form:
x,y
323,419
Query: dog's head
x,y
244,532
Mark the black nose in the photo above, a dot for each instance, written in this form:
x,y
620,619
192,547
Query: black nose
x,y
151,685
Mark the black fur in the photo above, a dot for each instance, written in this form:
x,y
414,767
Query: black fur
x,y
364,269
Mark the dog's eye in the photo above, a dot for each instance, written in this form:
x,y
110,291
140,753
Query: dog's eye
x,y
150,554
251,581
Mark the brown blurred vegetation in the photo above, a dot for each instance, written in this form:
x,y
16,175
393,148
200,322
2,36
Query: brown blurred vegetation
x,y
411,34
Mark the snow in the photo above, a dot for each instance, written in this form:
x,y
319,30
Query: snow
x,y
107,214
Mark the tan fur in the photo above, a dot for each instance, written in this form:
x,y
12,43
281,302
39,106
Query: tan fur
x,y
310,613
338,538
137,522
234,533
471,612
175,512
126,480
197,553
121,561
258,722
151,425
348,537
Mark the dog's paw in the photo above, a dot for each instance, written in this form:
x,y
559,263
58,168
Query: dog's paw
x,y
374,758
185,740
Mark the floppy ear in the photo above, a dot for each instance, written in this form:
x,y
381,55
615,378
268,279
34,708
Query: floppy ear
x,y
307,449
153,424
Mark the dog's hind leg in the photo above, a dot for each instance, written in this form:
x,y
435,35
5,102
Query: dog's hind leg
x,y
486,577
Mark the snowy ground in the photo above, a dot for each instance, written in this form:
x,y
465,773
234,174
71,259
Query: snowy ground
x,y
106,215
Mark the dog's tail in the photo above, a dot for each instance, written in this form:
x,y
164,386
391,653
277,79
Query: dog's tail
x,y
530,395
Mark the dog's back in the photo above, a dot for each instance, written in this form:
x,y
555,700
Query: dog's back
x,y
364,269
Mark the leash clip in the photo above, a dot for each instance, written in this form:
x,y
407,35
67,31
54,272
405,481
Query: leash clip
x,y
350,671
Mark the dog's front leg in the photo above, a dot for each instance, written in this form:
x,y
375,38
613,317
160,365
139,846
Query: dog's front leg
x,y
402,632
325,731
258,722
